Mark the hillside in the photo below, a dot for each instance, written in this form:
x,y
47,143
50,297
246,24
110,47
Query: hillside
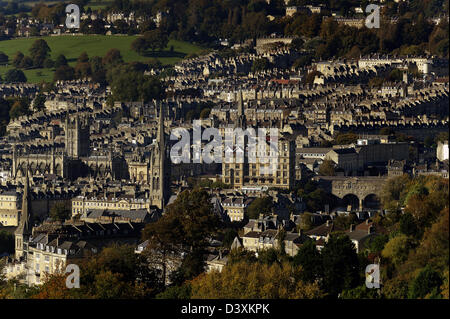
x,y
94,45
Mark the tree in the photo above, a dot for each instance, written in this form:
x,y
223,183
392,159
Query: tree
x,y
112,58
426,284
155,39
327,168
297,44
254,281
6,242
49,63
60,61
64,73
185,226
26,63
261,205
261,64
408,225
39,51
309,258
204,114
340,265
3,58
83,58
54,287
345,138
397,249
19,108
139,45
39,102
97,70
15,76
60,212
17,59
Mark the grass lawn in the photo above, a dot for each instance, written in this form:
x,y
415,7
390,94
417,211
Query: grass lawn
x,y
94,45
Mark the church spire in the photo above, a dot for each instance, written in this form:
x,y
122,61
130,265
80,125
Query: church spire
x,y
240,104
240,120
161,126
24,227
162,155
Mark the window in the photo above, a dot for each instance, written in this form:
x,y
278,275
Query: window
x,y
47,258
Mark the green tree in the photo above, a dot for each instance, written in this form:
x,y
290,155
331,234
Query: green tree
x,y
261,205
310,259
60,212
39,102
19,108
64,73
139,45
155,39
340,265
15,76
426,284
60,61
39,51
6,242
3,58
17,59
261,64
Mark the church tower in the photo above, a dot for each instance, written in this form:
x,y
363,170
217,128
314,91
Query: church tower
x,y
159,166
77,138
24,230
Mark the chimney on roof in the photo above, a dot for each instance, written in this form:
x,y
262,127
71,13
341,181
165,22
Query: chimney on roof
x,y
370,230
300,232
328,222
352,227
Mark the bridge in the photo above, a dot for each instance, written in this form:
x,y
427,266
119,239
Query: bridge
x,y
357,190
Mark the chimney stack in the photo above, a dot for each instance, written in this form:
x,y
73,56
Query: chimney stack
x,y
352,227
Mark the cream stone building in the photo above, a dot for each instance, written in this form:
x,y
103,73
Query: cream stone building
x,y
9,208
81,205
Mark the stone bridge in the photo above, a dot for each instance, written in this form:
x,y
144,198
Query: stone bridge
x,y
364,188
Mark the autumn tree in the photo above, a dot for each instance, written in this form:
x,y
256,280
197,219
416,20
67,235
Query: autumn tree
x,y
327,168
397,249
254,281
185,227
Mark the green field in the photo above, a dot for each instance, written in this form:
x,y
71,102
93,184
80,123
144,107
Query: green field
x,y
94,45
